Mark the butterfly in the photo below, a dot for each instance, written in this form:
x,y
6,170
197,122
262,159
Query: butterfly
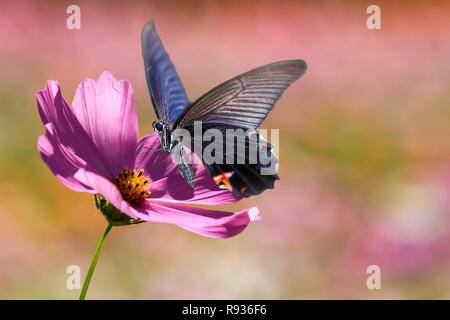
x,y
241,103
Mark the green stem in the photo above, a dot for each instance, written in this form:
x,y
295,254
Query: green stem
x,y
87,280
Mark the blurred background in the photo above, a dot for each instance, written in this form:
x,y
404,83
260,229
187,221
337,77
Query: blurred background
x,y
364,151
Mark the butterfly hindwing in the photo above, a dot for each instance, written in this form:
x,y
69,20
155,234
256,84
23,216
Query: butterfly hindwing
x,y
166,89
253,166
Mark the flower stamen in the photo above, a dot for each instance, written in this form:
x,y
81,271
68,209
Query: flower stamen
x,y
133,185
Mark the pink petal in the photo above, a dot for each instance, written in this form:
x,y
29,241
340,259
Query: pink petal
x,y
167,182
61,161
208,223
108,190
58,117
105,109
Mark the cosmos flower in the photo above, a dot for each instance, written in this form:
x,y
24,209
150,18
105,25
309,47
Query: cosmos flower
x,y
93,147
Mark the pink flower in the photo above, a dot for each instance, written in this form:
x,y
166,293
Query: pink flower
x,y
90,147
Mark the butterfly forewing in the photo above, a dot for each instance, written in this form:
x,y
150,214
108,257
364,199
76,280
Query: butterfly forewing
x,y
245,100
166,89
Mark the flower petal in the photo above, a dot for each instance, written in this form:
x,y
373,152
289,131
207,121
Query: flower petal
x,y
105,109
167,182
108,190
66,129
208,223
60,160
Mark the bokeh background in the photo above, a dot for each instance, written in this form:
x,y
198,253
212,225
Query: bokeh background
x,y
364,151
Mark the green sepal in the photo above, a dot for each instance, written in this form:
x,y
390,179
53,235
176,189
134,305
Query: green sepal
x,y
112,214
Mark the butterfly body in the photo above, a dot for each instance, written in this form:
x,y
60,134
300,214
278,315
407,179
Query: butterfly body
x,y
239,104
165,135
175,148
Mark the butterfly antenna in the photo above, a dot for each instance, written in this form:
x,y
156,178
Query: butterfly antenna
x,y
153,150
138,148
156,159
149,150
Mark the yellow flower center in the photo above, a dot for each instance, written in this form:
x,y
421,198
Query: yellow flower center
x,y
133,185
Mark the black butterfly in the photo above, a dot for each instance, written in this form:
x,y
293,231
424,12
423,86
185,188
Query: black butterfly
x,y
242,102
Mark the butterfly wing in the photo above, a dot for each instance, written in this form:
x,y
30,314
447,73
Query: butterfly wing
x,y
243,103
253,168
166,89
246,100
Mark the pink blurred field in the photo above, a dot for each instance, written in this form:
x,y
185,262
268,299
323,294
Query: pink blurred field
x,y
364,151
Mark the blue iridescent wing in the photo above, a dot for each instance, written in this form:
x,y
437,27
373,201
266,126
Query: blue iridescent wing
x,y
166,89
